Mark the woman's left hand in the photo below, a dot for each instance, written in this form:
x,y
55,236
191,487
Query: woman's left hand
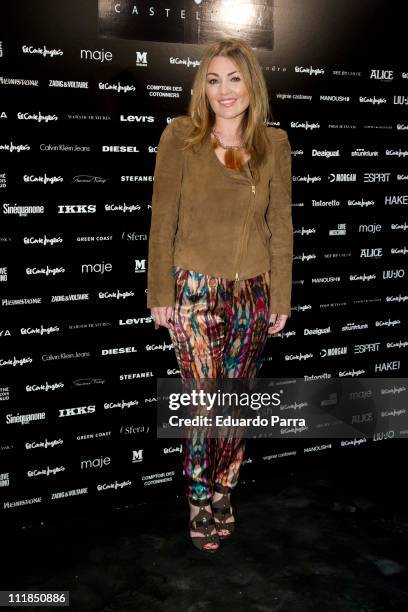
x,y
276,323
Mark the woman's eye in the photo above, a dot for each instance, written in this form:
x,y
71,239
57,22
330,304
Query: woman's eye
x,y
212,81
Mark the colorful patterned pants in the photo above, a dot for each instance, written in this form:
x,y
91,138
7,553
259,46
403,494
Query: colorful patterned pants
x,y
219,329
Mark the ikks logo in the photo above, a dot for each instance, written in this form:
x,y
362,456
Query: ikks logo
x,y
141,59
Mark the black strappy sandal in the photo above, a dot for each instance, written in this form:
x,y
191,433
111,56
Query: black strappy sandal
x,y
204,523
223,509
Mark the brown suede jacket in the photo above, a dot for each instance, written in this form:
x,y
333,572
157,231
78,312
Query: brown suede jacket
x,y
217,221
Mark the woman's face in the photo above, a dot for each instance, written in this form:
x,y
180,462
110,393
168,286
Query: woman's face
x,y
225,88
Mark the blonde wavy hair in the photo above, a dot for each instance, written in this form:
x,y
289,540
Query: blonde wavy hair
x,y
254,138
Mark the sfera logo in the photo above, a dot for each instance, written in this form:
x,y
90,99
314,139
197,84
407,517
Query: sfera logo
x,y
137,455
96,268
140,265
141,59
134,237
96,55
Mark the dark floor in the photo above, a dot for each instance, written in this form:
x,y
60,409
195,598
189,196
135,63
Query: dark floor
x,y
321,540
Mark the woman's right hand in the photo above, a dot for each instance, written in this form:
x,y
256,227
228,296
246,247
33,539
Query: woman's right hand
x,y
161,315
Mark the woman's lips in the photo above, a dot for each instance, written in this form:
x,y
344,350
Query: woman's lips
x,y
227,105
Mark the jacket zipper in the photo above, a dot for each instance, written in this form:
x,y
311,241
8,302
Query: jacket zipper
x,y
253,190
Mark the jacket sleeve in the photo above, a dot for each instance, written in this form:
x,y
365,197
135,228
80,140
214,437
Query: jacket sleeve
x,y
279,219
164,218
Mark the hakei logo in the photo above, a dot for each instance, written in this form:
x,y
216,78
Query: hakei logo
x,y
97,55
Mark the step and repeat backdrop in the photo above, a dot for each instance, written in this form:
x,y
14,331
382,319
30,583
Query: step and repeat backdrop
x,y
86,89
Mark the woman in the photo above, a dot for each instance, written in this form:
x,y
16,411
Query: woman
x,y
220,254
